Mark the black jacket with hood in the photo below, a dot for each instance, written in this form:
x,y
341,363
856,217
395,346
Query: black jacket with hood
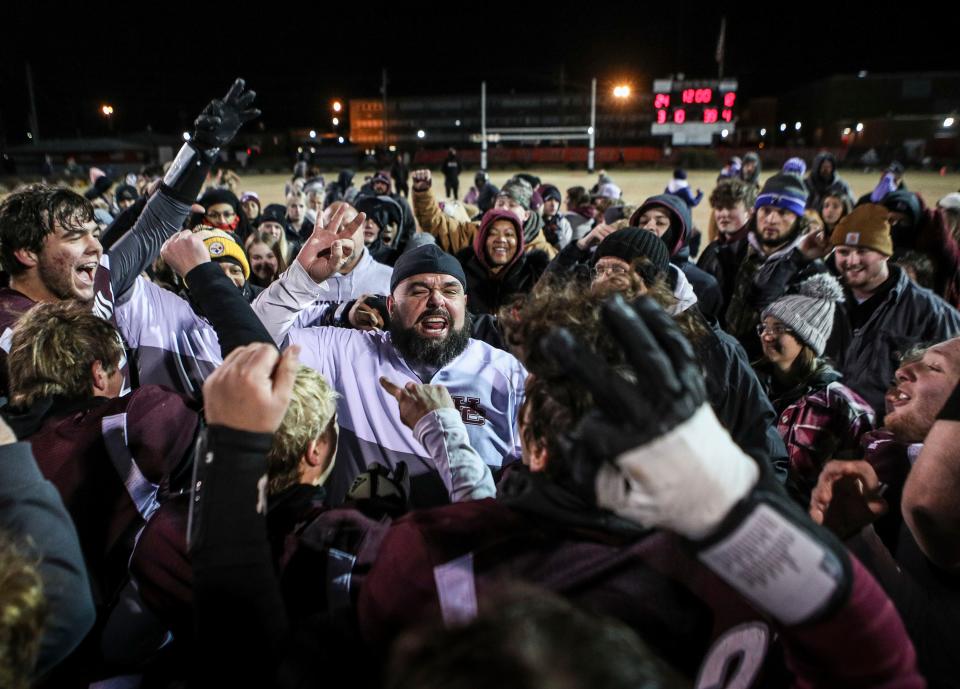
x,y
818,185
677,238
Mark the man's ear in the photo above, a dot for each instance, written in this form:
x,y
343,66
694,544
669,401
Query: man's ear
x,y
389,303
99,379
26,257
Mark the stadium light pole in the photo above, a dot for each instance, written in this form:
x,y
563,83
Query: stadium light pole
x,y
483,125
592,131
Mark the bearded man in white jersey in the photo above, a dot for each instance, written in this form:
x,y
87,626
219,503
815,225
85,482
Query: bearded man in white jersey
x,y
428,342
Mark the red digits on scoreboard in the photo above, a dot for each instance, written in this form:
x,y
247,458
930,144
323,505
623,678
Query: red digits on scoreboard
x,y
679,115
661,116
688,95
703,96
727,115
729,99
709,115
661,100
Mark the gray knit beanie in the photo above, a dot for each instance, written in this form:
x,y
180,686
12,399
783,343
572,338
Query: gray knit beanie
x,y
809,312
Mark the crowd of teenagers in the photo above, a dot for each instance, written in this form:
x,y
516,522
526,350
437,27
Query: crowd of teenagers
x,y
530,438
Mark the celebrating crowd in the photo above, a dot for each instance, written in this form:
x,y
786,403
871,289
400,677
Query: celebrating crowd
x,y
530,438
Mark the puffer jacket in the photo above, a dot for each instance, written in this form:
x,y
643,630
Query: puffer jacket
x,y
820,419
453,236
909,316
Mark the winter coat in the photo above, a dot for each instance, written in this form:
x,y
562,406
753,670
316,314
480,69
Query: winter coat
x,y
558,230
819,419
488,291
909,316
750,281
454,236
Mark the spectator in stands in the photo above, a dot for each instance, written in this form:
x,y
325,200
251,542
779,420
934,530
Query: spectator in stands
x,y
497,268
835,204
580,211
884,313
668,216
250,205
451,174
341,190
758,269
819,418
266,259
453,235
750,170
272,222
822,176
295,220
680,187
222,211
125,196
556,227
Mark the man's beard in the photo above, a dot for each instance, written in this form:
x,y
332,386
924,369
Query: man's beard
x,y
432,352
780,241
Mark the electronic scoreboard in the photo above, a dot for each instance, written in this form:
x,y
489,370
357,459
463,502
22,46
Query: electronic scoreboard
x,y
692,111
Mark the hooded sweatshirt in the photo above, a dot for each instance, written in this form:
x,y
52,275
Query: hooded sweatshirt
x,y
677,238
817,185
488,291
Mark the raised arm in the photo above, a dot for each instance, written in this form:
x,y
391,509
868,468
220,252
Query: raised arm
x,y
655,454
166,210
218,298
451,235
326,251
241,620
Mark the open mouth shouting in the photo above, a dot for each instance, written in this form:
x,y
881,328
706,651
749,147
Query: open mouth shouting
x,y
85,273
433,324
896,398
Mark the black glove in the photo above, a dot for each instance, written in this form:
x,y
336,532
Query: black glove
x,y
666,389
220,121
215,127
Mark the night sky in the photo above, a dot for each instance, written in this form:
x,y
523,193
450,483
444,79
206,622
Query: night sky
x,y
162,69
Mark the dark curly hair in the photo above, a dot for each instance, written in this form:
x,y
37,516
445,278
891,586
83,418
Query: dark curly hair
x,y
29,214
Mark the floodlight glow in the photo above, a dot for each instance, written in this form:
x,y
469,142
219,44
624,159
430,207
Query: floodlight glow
x,y
763,131
621,91
948,122
421,134
724,133
337,106
846,131
783,126
313,133
859,126
107,110
336,121
796,126
340,139
186,136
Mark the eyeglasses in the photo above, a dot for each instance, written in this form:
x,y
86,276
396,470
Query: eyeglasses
x,y
775,330
612,271
226,215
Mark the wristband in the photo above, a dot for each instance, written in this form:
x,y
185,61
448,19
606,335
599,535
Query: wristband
x,y
188,172
777,559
